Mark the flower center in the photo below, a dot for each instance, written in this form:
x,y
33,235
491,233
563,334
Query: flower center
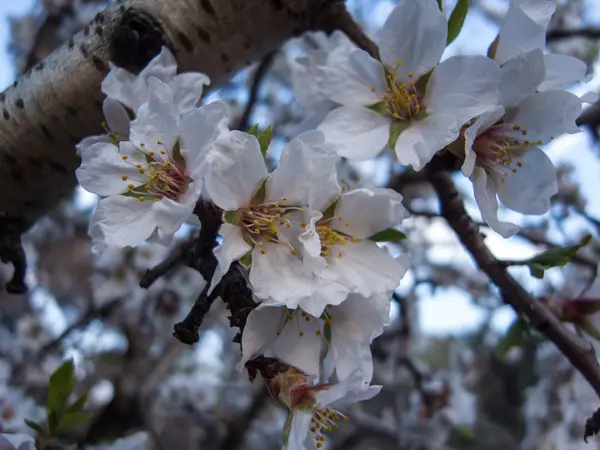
x,y
261,223
166,178
323,421
8,413
402,100
330,238
495,148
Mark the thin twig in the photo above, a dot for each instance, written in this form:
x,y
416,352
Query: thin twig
x,y
343,21
590,33
259,75
578,351
164,267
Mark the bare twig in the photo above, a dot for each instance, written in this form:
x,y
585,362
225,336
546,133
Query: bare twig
x,y
164,267
590,33
578,351
259,75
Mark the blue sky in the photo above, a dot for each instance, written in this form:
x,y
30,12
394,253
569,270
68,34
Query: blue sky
x,y
450,310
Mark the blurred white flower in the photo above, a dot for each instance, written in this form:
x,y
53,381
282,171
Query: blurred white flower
x,y
15,407
136,441
16,442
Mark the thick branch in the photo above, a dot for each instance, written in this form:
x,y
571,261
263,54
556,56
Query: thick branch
x,y
49,109
579,352
590,33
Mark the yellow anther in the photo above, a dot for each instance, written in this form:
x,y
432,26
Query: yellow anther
x,y
150,153
524,132
130,186
124,177
142,144
373,89
262,251
124,157
293,252
301,333
103,124
167,164
259,243
318,332
398,63
162,152
410,74
141,198
283,199
303,224
141,171
159,142
148,187
516,127
339,254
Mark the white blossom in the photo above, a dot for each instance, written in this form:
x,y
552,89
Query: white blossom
x,y
407,101
153,181
136,441
16,442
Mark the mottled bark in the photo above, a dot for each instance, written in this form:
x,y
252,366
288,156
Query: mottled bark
x,y
58,102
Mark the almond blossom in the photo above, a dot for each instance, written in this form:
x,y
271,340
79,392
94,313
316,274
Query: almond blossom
x,y
296,337
153,181
126,92
16,442
407,101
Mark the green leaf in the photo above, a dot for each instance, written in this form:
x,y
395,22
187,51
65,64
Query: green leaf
x,y
35,426
554,257
253,130
261,193
330,211
71,421
457,20
389,235
327,332
441,5
79,404
233,217
514,337
264,139
62,383
396,128
379,108
246,260
51,419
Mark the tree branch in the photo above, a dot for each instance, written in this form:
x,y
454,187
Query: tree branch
x,y
259,75
590,33
578,351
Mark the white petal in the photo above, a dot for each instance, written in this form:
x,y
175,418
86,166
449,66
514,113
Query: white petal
x,y
231,249
187,89
464,87
360,318
10,441
155,127
102,169
353,78
485,196
354,396
366,268
362,212
483,122
197,134
351,357
260,331
357,133
529,190
546,114
298,431
306,88
414,33
562,71
424,138
524,28
126,221
236,170
306,174
116,117
87,142
170,214
121,85
521,77
163,66
299,345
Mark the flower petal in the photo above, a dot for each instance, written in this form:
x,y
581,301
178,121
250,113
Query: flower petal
x,y
524,28
485,196
125,221
483,122
236,170
547,114
361,318
415,33
521,77
353,78
366,268
197,134
362,212
231,249
298,431
102,170
349,358
163,66
463,87
528,191
170,214
116,117
424,138
121,85
299,345
156,125
357,133
562,71
187,89
260,331
306,174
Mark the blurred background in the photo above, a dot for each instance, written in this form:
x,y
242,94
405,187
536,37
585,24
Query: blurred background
x,y
454,374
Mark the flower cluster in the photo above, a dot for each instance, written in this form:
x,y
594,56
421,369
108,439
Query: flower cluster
x,y
493,112
309,244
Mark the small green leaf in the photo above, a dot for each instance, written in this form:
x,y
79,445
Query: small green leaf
x,y
52,419
396,128
71,421
457,20
246,260
62,383
389,235
330,211
514,337
79,404
287,427
35,426
327,332
264,139
440,5
379,108
554,257
421,85
261,193
253,130
233,217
